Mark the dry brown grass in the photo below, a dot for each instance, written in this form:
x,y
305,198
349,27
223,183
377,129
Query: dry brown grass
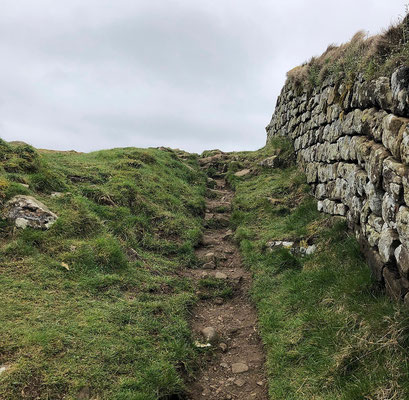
x,y
371,56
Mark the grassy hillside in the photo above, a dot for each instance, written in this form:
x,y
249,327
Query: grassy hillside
x,y
94,307
329,332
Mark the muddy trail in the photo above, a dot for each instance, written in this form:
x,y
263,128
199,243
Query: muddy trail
x,y
225,322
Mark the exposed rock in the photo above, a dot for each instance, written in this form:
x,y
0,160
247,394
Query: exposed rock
x,y
280,243
388,242
223,347
209,265
400,86
270,162
402,260
210,334
238,368
220,275
243,172
26,211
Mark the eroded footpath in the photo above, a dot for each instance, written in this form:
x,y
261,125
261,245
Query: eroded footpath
x,y
226,325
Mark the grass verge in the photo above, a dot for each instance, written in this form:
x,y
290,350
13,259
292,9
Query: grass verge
x,y
329,332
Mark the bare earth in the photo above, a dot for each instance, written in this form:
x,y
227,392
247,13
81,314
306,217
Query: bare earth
x,y
235,370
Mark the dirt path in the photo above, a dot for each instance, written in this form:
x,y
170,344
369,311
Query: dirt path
x,y
235,369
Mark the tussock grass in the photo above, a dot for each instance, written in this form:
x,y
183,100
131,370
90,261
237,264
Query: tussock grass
x,y
371,56
94,307
329,332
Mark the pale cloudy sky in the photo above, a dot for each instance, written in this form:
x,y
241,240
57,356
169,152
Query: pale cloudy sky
x,y
93,74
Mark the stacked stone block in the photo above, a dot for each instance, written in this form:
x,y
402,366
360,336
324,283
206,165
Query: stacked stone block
x,y
352,141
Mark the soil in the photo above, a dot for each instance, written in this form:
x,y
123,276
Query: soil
x,y
234,366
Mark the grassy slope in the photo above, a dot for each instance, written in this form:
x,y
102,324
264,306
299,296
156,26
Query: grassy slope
x,y
94,308
329,333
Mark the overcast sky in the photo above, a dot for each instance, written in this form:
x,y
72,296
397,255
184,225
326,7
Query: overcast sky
x,y
93,74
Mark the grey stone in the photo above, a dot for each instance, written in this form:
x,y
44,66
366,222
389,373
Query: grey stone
x,y
210,334
240,367
402,224
220,275
26,211
402,260
388,242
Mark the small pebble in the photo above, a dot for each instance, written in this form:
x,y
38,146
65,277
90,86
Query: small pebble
x,y
239,382
223,347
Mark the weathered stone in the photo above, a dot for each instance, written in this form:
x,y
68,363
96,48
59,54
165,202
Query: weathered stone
x,y
374,164
26,211
392,174
375,197
220,275
402,224
210,334
388,242
389,210
400,86
393,129
238,368
404,146
402,260
270,162
209,265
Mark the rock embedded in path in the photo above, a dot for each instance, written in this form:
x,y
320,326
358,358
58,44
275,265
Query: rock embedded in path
x,y
228,235
209,256
27,211
220,275
209,265
238,368
239,382
210,334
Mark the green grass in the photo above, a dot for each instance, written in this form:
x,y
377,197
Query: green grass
x,y
94,307
329,331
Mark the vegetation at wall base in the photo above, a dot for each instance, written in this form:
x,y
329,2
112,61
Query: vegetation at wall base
x,y
329,331
95,306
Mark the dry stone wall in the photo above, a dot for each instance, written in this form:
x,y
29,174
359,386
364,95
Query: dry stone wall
x,y
352,141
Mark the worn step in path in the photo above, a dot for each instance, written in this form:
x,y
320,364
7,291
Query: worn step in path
x,y
228,326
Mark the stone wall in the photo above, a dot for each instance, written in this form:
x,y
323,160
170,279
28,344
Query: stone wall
x,y
352,141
